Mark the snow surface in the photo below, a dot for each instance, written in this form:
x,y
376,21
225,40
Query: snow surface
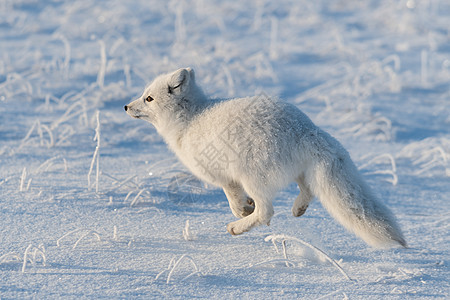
x,y
375,74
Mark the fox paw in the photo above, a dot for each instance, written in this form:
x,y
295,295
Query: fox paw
x,y
298,211
245,210
248,209
234,229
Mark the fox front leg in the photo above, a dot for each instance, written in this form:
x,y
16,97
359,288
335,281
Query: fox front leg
x,y
261,216
241,205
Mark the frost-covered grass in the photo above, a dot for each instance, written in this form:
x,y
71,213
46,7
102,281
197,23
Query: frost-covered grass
x,y
93,205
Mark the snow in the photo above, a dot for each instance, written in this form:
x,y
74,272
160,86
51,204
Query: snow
x,y
375,74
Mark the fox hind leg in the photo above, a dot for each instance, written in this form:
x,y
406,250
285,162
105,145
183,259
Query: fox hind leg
x,y
303,199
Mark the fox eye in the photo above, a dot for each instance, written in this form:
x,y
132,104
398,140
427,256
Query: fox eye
x,y
149,99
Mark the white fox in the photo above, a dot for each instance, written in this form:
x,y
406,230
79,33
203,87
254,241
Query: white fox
x,y
253,147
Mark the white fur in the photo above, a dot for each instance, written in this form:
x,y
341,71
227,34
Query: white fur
x,y
253,147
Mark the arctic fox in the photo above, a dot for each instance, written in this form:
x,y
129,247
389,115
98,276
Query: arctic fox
x,y
253,147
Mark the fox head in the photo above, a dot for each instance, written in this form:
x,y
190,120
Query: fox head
x,y
169,98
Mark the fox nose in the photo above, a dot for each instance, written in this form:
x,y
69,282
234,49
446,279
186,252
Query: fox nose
x,y
126,107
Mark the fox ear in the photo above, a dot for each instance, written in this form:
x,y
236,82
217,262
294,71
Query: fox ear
x,y
179,80
191,74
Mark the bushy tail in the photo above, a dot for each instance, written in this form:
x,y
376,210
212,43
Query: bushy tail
x,y
338,185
